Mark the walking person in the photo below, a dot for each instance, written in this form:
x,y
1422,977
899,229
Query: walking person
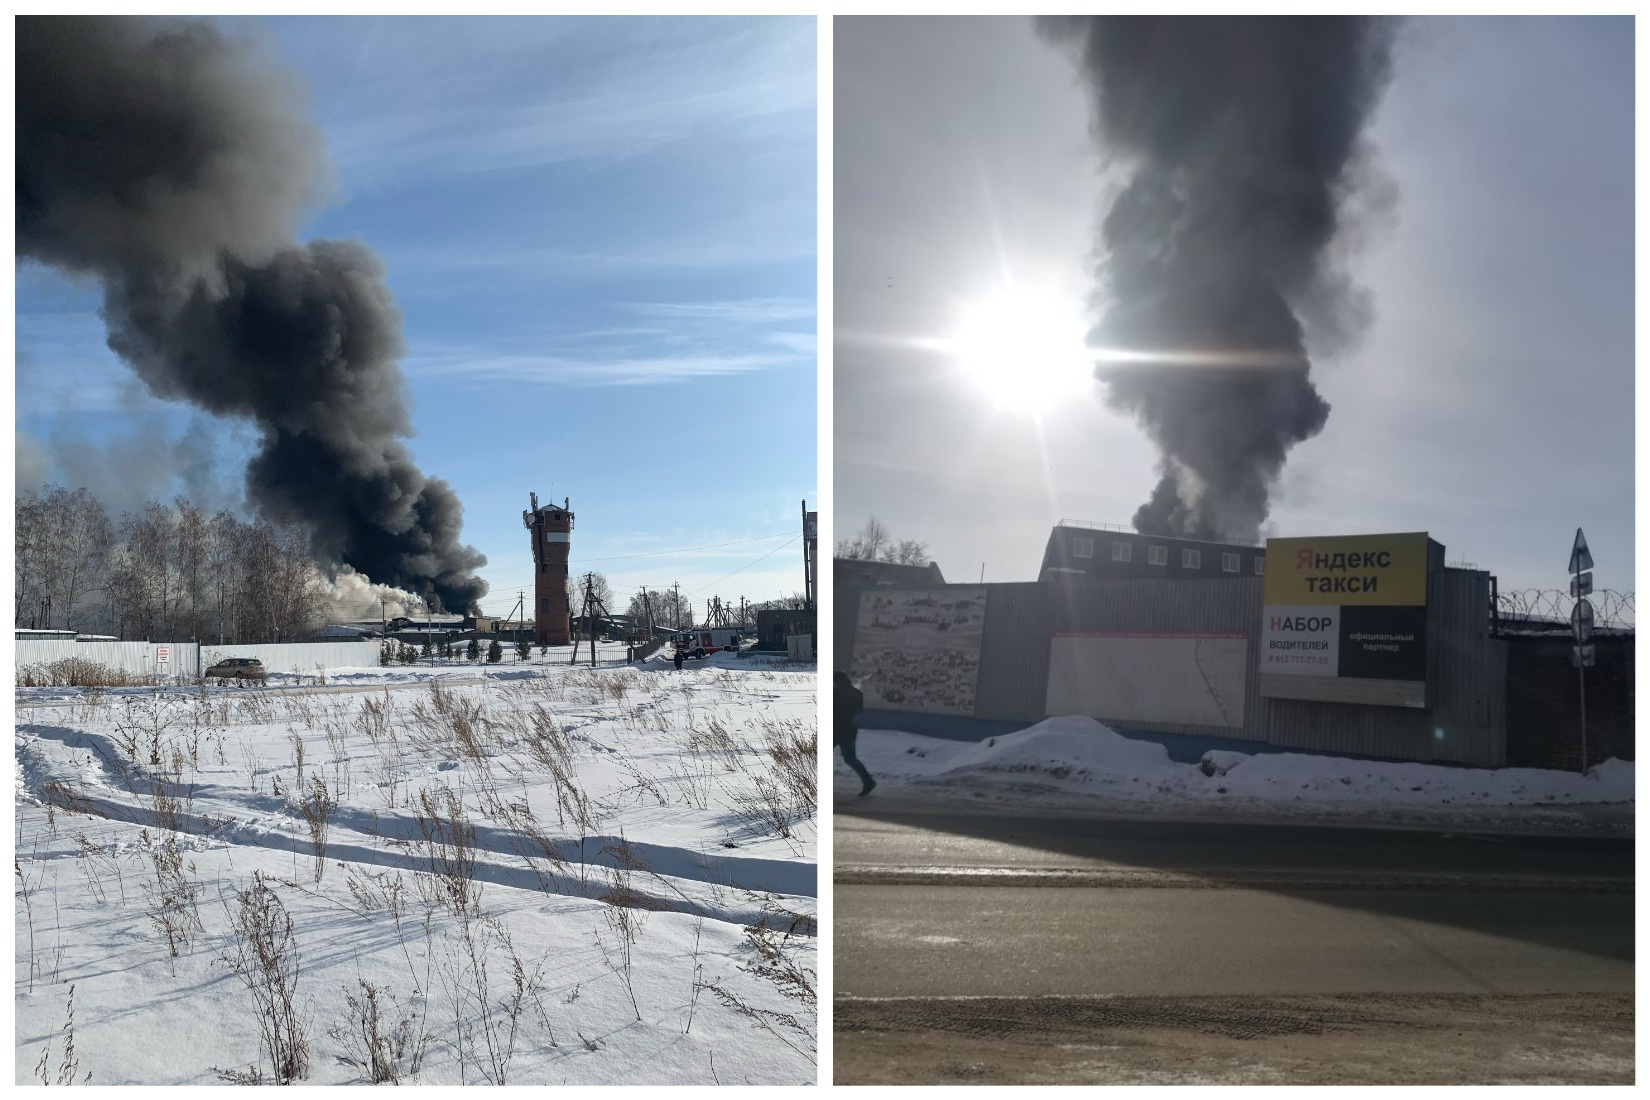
x,y
678,658
849,702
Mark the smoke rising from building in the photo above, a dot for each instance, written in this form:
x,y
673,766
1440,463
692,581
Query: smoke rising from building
x,y
350,597
1240,142
171,163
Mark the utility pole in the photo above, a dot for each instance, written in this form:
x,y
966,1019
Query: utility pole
x,y
520,596
810,555
676,604
574,659
590,598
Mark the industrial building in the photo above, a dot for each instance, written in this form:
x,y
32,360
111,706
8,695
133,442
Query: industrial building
x,y
1366,645
1102,550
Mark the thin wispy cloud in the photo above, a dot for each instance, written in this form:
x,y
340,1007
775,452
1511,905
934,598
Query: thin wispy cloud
x,y
597,109
566,371
649,257
803,343
747,310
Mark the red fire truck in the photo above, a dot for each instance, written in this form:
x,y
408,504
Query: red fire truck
x,y
697,643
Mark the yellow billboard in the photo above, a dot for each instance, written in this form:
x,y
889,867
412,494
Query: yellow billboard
x,y
1347,571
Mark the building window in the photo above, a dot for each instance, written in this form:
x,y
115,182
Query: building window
x,y
1082,548
1191,559
1230,563
1157,555
1260,565
1121,551
544,605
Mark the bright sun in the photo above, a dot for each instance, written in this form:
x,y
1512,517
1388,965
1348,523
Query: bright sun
x,y
1024,350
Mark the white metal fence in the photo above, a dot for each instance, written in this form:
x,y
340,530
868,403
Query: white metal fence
x,y
144,658
189,658
301,657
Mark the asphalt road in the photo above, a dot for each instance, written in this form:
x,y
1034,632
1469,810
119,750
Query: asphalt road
x,y
904,842
1403,941
949,941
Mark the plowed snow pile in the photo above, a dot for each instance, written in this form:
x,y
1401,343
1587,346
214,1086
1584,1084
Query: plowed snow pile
x,y
1078,761
565,876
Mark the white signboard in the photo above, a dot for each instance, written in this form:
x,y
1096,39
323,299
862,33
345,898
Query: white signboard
x,y
163,655
1300,641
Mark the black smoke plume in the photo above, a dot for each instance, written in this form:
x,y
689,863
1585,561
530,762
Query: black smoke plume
x,y
1240,140
171,163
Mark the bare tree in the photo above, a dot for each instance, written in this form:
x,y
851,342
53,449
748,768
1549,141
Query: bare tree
x,y
598,585
28,550
874,542
191,555
143,592
86,536
62,538
221,542
910,552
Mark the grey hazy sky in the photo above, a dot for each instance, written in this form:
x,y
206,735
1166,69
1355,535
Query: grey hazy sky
x,y
1490,403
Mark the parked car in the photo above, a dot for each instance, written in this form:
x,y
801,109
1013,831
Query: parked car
x,y
237,668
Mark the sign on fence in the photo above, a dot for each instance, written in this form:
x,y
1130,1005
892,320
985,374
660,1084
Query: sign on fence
x,y
1582,655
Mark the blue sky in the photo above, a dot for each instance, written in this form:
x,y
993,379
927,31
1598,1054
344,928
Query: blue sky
x,y
602,236
1490,403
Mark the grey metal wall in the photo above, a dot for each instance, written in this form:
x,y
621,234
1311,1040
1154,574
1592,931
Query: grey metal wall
x,y
844,619
1466,720
1014,652
1466,668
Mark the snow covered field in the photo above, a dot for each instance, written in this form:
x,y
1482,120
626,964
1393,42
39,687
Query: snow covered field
x,y
1078,764
525,874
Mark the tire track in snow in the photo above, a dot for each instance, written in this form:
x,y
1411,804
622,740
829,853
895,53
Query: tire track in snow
x,y
274,826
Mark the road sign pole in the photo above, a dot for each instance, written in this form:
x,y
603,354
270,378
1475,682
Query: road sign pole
x,y
1581,671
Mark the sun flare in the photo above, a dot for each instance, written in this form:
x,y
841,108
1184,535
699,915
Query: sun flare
x,y
1024,350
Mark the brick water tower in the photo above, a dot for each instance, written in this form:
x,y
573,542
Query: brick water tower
x,y
552,530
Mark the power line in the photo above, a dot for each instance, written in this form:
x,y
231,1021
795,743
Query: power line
x,y
684,550
744,567
637,588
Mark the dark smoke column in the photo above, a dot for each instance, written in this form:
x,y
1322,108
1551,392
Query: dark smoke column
x,y
171,163
1239,140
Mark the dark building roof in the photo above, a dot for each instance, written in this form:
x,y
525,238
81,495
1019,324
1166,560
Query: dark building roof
x,y
1086,550
860,573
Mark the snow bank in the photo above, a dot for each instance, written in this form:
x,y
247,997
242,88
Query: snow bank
x,y
1328,779
1067,746
1082,759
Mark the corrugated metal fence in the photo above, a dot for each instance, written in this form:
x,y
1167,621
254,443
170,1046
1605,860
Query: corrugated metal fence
x,y
299,657
140,658
186,658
